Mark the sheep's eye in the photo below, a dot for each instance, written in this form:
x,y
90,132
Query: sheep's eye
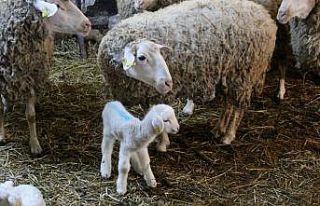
x,y
166,120
142,58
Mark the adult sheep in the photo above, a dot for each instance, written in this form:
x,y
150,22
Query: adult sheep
x,y
304,31
214,43
26,47
282,57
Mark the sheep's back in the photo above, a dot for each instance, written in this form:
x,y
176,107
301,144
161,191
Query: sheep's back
x,y
210,39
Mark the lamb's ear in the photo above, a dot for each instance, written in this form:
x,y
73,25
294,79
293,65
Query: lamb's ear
x,y
129,58
14,201
157,124
164,48
47,9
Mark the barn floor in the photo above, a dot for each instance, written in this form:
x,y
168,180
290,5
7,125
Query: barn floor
x,y
275,159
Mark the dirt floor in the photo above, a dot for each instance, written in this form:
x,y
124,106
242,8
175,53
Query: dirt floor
x,y
275,159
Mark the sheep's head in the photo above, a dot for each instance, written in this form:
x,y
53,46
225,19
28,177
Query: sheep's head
x,y
63,16
295,8
142,60
168,117
141,5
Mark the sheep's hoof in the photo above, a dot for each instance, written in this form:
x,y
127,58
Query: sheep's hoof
x,y
227,139
36,149
152,183
105,174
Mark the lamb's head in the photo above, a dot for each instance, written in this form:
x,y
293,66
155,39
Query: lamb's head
x,y
142,60
141,5
63,16
295,8
7,195
168,117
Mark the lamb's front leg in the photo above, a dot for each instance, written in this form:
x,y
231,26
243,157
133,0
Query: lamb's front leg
x,y
123,169
106,150
2,131
146,169
31,118
163,142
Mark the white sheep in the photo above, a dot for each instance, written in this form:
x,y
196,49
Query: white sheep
x,y
217,48
21,195
304,31
134,136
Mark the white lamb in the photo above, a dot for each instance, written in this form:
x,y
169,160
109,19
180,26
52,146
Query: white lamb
x,y
134,136
22,195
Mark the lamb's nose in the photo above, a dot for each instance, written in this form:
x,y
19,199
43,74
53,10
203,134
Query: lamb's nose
x,y
169,83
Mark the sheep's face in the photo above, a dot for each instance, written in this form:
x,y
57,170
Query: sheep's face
x,y
68,19
295,8
141,5
143,61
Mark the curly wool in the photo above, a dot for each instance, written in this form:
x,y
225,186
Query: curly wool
x,y
225,43
305,37
125,8
24,55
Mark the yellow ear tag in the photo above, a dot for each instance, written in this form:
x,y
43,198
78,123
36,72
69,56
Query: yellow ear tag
x,y
157,130
127,64
45,13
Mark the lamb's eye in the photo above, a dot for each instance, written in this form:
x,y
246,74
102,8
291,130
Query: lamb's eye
x,y
142,58
167,120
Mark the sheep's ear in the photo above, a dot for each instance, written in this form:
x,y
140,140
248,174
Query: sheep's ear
x,y
157,124
129,58
165,49
47,9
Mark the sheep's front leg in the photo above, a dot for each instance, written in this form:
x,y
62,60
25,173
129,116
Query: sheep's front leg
x,y
282,86
135,162
223,122
163,142
106,150
2,131
146,169
233,126
123,169
31,118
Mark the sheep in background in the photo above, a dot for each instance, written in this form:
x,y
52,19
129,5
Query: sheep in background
x,y
26,47
304,31
126,8
215,46
21,195
153,5
134,136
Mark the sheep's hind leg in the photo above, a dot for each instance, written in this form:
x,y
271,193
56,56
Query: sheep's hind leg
x,y
135,162
31,118
234,122
146,169
221,126
106,150
282,86
2,131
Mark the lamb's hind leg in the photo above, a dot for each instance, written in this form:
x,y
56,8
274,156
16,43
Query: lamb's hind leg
x,y
123,169
163,142
2,131
31,118
106,150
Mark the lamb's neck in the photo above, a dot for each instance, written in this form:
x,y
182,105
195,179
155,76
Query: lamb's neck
x,y
146,131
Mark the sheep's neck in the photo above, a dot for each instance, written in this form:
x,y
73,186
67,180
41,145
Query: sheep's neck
x,y
146,133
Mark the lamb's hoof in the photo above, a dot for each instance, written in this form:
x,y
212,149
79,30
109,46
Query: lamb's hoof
x,y
161,148
105,174
227,140
152,183
121,190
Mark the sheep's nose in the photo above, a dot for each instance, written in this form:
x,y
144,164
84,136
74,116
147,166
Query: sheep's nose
x,y
86,25
169,83
282,15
